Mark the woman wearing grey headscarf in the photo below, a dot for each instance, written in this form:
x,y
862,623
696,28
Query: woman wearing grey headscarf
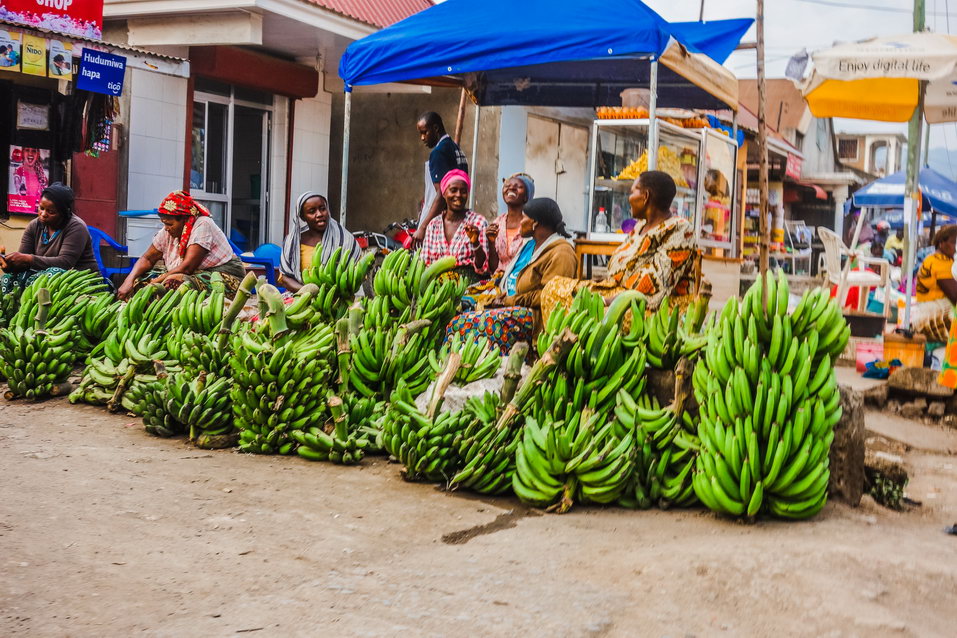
x,y
311,226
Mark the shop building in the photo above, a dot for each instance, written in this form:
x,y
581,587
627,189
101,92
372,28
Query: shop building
x,y
64,114
249,128
877,154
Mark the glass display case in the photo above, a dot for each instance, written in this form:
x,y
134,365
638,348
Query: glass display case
x,y
621,154
701,161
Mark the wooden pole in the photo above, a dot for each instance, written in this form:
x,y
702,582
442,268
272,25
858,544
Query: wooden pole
x,y
701,12
911,198
460,118
764,239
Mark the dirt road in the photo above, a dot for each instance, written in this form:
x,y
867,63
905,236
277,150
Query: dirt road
x,y
106,531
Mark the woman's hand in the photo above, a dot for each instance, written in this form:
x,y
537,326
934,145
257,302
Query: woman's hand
x,y
125,291
472,232
19,261
491,234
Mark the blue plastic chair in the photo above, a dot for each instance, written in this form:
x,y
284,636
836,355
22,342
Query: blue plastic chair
x,y
99,237
268,259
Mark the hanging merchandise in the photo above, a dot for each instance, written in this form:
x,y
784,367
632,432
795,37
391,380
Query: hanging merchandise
x,y
100,115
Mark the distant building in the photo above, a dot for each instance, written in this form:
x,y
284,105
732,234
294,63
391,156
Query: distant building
x,y
877,154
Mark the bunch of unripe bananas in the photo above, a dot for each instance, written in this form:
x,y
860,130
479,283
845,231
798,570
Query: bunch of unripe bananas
x,y
280,381
34,361
335,282
671,336
201,404
338,445
487,451
769,403
481,359
200,311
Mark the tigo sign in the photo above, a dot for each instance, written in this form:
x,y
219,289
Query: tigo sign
x,y
82,18
101,72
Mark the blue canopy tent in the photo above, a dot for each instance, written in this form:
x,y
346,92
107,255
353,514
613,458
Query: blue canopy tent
x,y
562,53
938,195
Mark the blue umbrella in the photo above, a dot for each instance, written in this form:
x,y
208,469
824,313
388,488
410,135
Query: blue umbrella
x,y
938,193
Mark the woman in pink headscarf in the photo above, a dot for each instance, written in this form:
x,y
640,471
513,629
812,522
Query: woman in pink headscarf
x,y
458,231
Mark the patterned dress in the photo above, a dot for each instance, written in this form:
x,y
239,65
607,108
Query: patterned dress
x,y
658,263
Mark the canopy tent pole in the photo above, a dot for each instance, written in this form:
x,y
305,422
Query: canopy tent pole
x,y
475,138
842,286
653,117
460,118
346,130
912,198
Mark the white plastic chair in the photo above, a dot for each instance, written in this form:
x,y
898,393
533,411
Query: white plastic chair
x,y
845,278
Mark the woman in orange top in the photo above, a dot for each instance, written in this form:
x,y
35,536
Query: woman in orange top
x,y
657,259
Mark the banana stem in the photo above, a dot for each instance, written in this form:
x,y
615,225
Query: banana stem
x,y
553,357
43,309
356,316
442,383
513,372
121,387
343,351
275,309
243,293
339,418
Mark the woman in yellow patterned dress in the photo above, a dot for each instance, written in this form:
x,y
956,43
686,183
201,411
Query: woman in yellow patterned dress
x,y
657,259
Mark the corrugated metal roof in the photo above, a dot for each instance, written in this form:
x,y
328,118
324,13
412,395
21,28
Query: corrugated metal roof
x,y
380,13
78,38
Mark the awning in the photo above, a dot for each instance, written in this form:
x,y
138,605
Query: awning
x,y
571,53
819,193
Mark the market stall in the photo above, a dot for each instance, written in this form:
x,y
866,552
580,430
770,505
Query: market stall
x,y
599,55
938,196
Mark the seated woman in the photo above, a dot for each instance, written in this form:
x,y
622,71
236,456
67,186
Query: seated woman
x,y
657,259
458,231
191,246
56,241
311,226
936,288
545,254
504,239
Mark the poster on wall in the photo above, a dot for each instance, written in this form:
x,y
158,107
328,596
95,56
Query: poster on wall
x,y
82,18
9,51
61,60
29,175
34,52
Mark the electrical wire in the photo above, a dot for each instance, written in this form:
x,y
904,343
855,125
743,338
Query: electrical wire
x,y
863,7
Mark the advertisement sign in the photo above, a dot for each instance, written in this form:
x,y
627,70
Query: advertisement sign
x,y
82,18
793,167
34,55
101,72
9,51
29,175
61,60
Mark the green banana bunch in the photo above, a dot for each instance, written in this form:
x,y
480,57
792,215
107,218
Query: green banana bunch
x,y
280,385
200,353
201,403
487,451
336,281
381,313
339,446
428,448
398,278
557,462
157,419
199,311
438,303
365,421
480,358
768,404
34,361
667,447
70,292
672,336
9,304
382,359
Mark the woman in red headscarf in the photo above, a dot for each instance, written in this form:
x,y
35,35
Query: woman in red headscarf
x,y
191,246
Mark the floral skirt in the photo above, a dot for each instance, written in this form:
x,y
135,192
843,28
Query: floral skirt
x,y
13,280
502,326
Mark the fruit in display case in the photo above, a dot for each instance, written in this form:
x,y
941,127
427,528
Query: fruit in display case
x,y
668,161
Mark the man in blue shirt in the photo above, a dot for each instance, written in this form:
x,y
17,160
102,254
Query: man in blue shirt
x,y
445,156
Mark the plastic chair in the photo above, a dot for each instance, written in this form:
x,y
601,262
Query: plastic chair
x,y
99,237
268,264
830,264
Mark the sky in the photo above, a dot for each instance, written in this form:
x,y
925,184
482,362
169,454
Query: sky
x,y
791,25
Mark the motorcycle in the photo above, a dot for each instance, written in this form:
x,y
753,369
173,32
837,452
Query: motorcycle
x,y
397,236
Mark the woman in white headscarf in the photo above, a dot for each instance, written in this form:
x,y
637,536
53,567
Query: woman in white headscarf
x,y
311,226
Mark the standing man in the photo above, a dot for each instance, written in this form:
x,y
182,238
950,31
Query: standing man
x,y
445,156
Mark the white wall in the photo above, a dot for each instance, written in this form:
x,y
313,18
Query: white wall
x,y
310,150
157,140
275,229
157,143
